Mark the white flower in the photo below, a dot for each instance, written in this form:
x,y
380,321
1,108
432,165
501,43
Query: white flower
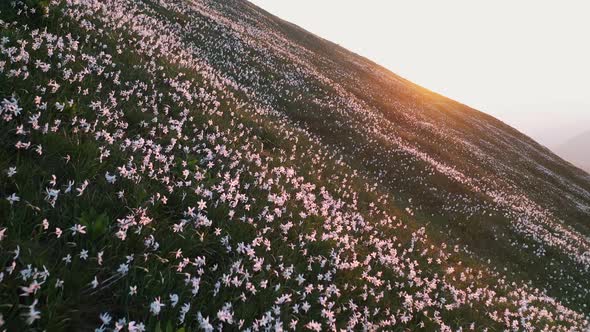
x,y
77,228
135,327
51,195
300,279
202,204
94,282
59,107
33,314
174,300
123,269
204,323
110,178
69,187
31,289
13,198
183,311
17,252
156,306
10,106
285,298
59,283
11,171
84,254
314,326
81,189
105,318
305,306
225,314
120,324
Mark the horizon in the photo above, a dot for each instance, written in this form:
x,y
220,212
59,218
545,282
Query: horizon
x,y
537,86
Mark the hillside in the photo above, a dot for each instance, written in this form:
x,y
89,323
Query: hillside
x,y
577,150
196,165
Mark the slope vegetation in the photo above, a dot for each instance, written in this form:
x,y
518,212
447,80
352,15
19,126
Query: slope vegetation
x,y
197,165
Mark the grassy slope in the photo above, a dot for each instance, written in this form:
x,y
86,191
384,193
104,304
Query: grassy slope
x,y
511,162
276,141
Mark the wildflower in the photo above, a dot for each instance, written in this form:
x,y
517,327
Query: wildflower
x,y
123,269
60,107
105,318
204,323
17,252
183,311
173,300
286,298
59,283
225,314
110,178
33,314
51,195
11,171
156,306
314,326
135,327
10,106
77,228
13,198
300,279
31,289
120,324
94,282
81,189
132,290
69,187
305,306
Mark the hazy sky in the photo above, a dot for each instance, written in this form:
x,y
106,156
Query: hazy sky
x,y
526,62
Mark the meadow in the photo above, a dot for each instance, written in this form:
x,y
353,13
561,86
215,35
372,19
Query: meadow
x,y
171,165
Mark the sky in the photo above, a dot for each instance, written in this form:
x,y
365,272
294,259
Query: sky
x,y
525,62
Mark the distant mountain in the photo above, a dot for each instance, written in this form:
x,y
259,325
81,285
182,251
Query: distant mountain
x,y
184,165
577,151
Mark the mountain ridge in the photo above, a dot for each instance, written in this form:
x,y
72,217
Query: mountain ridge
x,y
570,150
